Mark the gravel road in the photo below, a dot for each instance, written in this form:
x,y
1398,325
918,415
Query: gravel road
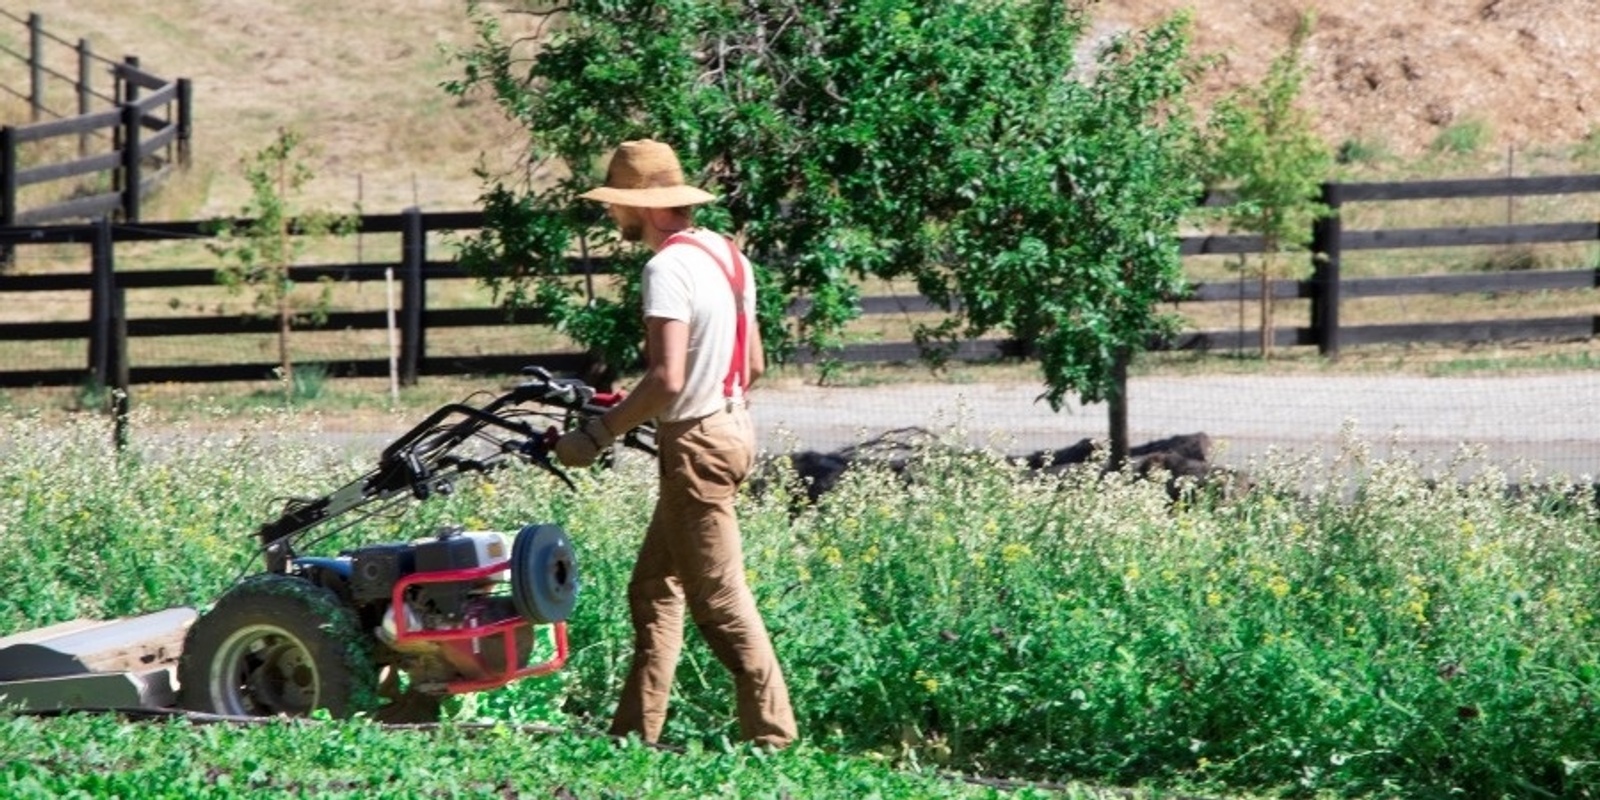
x,y
1546,422
1549,424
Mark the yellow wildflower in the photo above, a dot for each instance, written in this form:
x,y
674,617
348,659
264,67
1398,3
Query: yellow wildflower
x,y
870,556
1279,586
1014,552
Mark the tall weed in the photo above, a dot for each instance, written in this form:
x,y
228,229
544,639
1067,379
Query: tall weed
x,y
1349,625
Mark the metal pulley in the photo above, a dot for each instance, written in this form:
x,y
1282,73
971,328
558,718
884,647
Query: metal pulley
x,y
544,574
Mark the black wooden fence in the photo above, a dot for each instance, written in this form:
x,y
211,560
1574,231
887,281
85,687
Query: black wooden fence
x,y
134,135
107,329
1327,289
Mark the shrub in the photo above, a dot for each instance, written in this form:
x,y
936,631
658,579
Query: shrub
x,y
1462,138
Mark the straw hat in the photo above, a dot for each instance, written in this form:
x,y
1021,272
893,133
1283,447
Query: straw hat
x,y
646,174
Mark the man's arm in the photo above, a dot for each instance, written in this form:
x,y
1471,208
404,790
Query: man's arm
x,y
755,354
667,357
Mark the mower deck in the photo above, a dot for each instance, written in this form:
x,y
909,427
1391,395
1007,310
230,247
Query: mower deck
x,y
95,664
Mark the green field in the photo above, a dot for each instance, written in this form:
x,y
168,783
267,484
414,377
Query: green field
x,y
1383,635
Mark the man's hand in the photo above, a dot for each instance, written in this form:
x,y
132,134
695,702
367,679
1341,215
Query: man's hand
x,y
581,447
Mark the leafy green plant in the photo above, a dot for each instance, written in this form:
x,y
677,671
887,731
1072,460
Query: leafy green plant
x,y
1361,151
1266,152
958,145
309,381
259,250
1461,138
91,394
99,756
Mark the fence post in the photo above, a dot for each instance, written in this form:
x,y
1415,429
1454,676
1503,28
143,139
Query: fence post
x,y
102,284
120,398
1325,256
130,162
412,295
85,91
36,65
130,89
8,176
8,191
185,119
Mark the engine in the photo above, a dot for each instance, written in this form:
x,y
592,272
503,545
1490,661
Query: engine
x,y
376,569
456,609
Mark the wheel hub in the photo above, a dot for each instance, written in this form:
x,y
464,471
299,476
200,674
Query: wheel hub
x,y
264,671
284,681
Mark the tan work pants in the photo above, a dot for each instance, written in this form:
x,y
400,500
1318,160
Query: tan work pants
x,y
692,556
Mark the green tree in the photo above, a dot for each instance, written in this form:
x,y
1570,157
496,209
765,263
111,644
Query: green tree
x,y
1265,151
960,145
259,248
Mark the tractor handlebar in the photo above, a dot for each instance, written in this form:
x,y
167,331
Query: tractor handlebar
x,y
456,439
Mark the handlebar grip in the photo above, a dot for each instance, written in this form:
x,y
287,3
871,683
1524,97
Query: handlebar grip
x,y
564,394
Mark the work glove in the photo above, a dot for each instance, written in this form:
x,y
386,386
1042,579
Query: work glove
x,y
581,447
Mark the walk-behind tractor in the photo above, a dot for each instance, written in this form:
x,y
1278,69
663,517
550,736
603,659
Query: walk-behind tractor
x,y
388,628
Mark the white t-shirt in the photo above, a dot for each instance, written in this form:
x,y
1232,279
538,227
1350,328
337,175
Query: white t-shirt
x,y
683,283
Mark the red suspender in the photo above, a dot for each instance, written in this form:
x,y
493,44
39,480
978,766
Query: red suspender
x,y
738,368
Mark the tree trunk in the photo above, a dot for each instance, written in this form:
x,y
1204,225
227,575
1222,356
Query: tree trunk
x,y
1117,403
286,367
282,249
601,374
1267,269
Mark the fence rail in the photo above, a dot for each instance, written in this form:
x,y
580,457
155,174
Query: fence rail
x,y
136,140
107,329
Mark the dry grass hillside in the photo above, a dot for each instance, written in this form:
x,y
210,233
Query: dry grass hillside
x,y
360,78
1398,75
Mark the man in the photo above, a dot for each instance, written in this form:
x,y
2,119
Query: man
x,y
702,351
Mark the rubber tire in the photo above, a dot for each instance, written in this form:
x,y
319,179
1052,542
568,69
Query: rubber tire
x,y
300,646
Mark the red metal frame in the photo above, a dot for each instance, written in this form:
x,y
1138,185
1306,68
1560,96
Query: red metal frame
x,y
507,627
